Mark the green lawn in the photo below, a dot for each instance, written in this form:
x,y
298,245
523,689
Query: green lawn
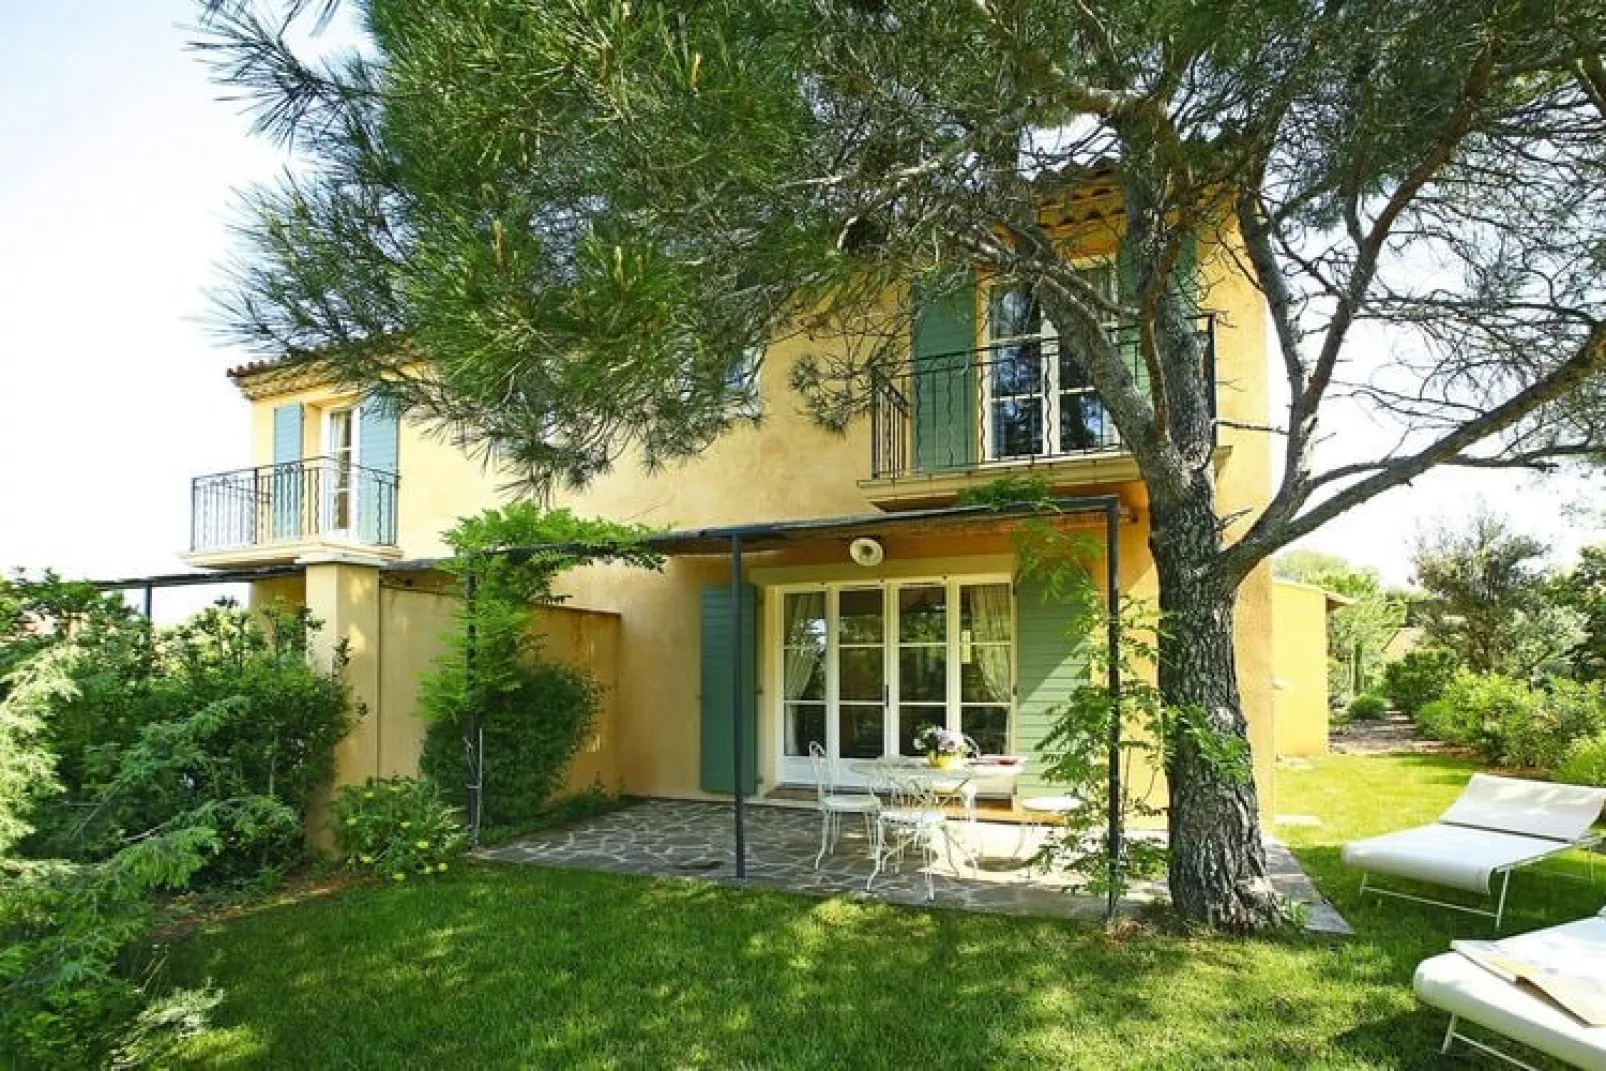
x,y
506,967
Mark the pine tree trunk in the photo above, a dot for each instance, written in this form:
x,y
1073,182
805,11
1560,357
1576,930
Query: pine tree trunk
x,y
1218,864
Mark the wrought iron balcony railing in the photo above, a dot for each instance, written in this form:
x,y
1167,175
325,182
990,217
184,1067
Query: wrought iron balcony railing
x,y
292,502
1015,401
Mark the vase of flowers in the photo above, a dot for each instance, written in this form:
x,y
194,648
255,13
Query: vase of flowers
x,y
942,747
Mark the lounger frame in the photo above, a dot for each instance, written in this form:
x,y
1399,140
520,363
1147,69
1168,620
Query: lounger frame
x,y
1451,1034
1585,844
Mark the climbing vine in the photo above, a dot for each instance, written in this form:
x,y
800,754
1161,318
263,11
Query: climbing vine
x,y
533,713
1076,751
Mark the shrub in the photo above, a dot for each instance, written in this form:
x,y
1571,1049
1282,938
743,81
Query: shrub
x,y
1512,723
1585,762
77,978
532,726
1479,710
219,709
1368,705
1567,711
395,827
1418,678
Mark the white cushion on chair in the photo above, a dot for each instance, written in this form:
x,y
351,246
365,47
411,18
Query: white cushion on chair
x,y
1454,856
1051,805
853,804
1527,808
912,816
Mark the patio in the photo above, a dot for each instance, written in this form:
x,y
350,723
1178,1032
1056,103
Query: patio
x,y
673,838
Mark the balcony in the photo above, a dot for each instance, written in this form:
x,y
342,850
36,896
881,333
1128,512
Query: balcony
x,y
948,421
279,512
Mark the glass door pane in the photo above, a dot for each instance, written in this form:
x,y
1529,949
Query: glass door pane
x,y
986,664
922,661
1017,380
803,650
861,673
340,449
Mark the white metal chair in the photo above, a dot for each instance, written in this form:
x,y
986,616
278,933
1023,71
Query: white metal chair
x,y
912,817
1040,808
834,804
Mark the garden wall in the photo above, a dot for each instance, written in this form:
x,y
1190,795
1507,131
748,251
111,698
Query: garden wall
x,y
1299,668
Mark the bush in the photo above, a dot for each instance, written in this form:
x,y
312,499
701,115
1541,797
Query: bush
x,y
395,827
1478,710
1585,763
1567,711
1513,724
533,725
1418,678
77,976
1368,705
219,709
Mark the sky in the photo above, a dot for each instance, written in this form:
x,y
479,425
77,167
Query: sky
x,y
118,172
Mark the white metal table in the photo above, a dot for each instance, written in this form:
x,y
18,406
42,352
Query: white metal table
x,y
958,781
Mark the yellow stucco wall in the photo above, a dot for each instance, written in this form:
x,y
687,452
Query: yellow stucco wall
x,y
395,626
1299,640
785,469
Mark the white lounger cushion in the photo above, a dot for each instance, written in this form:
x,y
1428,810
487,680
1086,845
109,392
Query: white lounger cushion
x,y
1455,984
1533,808
1453,856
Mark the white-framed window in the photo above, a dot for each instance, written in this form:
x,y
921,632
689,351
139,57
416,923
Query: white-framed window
x,y
1037,399
864,667
338,510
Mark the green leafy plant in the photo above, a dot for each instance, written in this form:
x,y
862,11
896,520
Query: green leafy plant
x,y
533,714
79,981
1418,678
396,828
1585,762
215,713
1512,723
1368,705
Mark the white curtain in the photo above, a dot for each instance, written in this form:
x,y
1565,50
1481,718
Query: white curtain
x,y
805,640
990,627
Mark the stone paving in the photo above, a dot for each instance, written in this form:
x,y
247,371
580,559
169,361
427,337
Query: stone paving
x,y
688,839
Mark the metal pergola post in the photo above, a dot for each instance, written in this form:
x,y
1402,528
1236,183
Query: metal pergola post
x,y
738,738
473,744
1112,581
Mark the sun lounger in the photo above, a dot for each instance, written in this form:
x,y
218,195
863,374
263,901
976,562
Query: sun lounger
x,y
1496,826
1455,984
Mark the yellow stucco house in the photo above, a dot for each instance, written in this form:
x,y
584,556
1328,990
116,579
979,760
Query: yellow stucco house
x,y
345,506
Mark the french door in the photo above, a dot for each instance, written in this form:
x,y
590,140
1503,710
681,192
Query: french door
x,y
339,506
864,667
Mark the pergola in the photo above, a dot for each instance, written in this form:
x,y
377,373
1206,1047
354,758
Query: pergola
x,y
737,540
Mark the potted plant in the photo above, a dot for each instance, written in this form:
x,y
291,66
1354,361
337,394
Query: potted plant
x,y
943,747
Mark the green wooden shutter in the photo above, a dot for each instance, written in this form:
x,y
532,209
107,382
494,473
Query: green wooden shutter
x,y
287,475
947,423
378,432
718,721
1128,333
1186,273
1048,667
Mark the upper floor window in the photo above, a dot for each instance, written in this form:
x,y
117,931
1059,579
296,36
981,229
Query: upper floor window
x,y
1037,399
